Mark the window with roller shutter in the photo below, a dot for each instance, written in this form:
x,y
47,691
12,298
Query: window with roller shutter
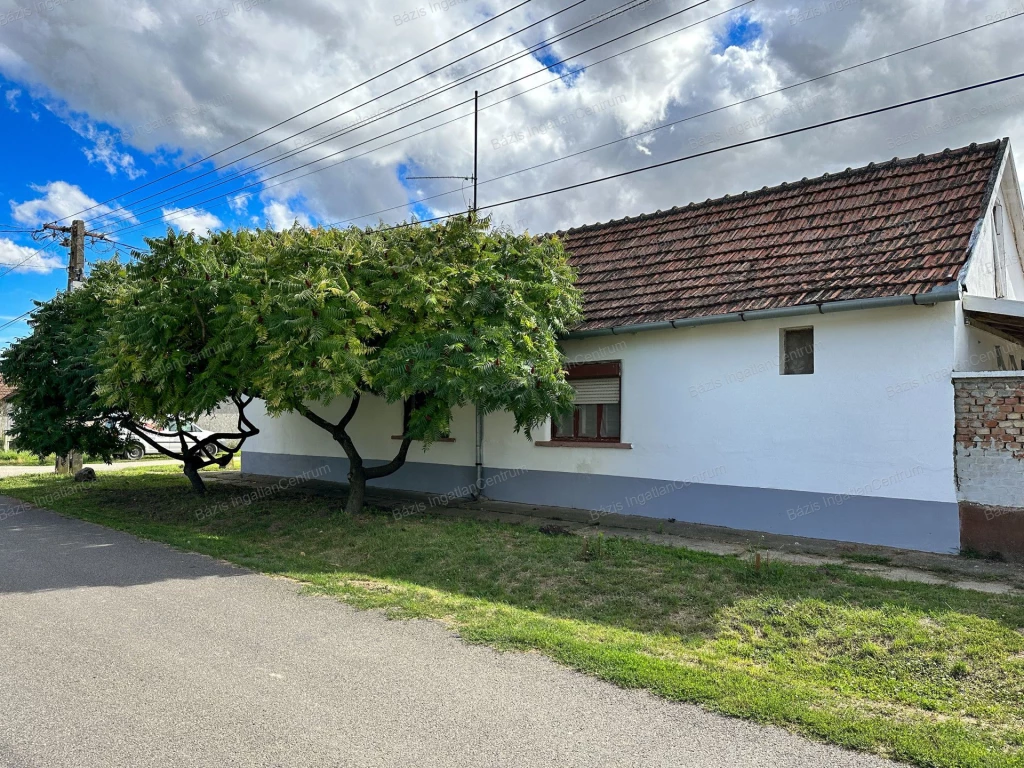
x,y
597,415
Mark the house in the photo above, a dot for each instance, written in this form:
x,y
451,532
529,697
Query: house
x,y
5,415
837,357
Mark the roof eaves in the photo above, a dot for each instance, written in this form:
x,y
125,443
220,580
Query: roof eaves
x,y
948,292
990,190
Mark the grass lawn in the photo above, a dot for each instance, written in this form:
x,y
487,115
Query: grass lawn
x,y
22,459
26,459
930,675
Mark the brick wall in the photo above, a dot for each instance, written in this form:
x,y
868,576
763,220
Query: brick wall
x,y
989,460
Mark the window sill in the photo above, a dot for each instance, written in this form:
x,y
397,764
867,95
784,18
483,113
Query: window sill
x,y
439,440
582,444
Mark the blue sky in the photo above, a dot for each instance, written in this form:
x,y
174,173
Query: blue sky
x,y
740,31
74,77
50,151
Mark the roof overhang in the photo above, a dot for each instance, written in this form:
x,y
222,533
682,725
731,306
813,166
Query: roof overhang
x,y
1000,317
950,292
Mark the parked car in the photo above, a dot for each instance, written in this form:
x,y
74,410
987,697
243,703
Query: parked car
x,y
137,449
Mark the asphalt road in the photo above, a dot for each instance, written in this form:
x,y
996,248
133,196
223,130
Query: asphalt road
x,y
11,471
121,652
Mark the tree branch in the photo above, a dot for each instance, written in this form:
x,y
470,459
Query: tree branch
x,y
337,431
320,421
349,413
372,473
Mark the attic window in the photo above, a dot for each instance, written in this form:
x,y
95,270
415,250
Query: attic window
x,y
797,356
998,251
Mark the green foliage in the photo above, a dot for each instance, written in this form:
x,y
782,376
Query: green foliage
x,y
454,312
56,409
165,350
166,354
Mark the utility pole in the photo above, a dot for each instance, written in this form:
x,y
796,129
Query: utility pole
x,y
76,256
479,414
472,218
476,140
68,465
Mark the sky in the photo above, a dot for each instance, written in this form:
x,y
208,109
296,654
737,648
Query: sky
x,y
110,109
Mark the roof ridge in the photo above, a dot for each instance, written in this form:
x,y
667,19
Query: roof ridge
x,y
998,144
742,221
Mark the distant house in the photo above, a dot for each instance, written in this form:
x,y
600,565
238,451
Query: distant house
x,y
5,415
224,418
837,357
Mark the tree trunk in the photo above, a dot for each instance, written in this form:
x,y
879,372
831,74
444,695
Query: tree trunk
x,y
192,473
358,474
356,490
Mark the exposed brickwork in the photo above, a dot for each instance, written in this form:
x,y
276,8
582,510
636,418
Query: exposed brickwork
x,y
990,463
990,414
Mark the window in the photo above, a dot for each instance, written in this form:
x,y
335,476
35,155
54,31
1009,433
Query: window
x,y
998,251
999,358
408,406
797,351
597,416
411,404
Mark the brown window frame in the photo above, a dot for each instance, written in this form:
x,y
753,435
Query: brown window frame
x,y
579,372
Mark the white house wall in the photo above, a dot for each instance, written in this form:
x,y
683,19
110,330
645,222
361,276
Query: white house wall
x,y
287,445
859,451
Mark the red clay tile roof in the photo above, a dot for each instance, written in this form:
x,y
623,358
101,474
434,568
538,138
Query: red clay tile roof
x,y
888,229
5,390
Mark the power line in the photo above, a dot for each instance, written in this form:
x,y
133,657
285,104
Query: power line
x,y
359,123
28,258
427,117
438,125
304,112
685,119
14,320
389,112
705,153
694,156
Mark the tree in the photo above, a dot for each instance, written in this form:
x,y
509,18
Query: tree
x,y
55,406
447,315
166,355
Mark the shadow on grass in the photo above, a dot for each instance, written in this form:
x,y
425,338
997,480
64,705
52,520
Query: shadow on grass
x,y
628,584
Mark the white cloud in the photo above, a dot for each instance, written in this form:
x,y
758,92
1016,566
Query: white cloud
x,y
105,150
26,258
191,220
281,216
12,98
185,81
239,203
60,200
